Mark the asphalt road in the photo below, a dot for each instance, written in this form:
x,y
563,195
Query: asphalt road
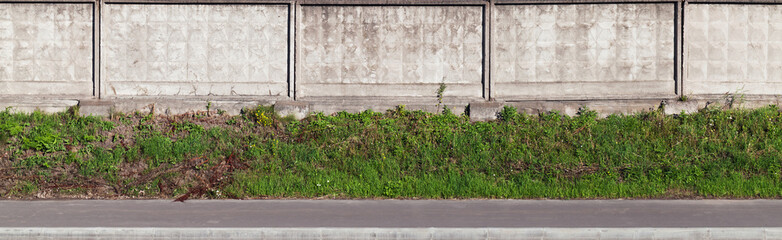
x,y
392,213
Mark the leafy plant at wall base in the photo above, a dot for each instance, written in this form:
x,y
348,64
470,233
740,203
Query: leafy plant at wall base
x,y
43,138
440,92
734,99
262,119
508,113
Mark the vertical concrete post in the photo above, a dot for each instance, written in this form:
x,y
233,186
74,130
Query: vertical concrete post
x,y
679,41
487,33
681,54
292,26
96,79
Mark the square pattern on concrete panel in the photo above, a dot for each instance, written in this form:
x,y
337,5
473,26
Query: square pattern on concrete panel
x,y
46,49
586,49
194,50
733,48
390,49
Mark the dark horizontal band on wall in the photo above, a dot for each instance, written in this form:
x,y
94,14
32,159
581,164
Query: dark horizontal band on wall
x,y
511,2
393,2
49,1
736,1
201,1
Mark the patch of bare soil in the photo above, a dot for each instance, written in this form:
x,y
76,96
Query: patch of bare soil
x,y
192,178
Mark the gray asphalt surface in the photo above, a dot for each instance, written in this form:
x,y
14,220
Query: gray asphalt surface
x,y
392,213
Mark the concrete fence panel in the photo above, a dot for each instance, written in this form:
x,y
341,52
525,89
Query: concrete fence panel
x,y
733,48
583,51
46,49
194,50
390,51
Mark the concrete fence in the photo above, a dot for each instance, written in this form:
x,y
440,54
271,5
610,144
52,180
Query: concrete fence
x,y
332,55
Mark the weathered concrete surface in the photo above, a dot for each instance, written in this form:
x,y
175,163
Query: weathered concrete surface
x,y
732,48
194,50
390,51
329,105
583,51
27,104
602,107
678,107
45,49
299,109
169,106
95,107
484,111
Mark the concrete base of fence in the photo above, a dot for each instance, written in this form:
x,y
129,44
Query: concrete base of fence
x,y
94,107
479,110
382,104
299,110
30,104
484,111
167,106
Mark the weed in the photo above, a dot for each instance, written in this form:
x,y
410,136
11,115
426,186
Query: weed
x,y
262,119
508,113
34,162
735,99
43,138
263,116
440,93
231,121
187,126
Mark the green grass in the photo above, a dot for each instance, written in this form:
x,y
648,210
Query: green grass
x,y
398,154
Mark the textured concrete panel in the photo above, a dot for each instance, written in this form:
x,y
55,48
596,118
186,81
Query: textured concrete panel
x,y
194,50
583,51
387,47
733,49
45,49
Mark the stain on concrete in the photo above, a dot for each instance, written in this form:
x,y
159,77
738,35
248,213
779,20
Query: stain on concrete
x,y
364,49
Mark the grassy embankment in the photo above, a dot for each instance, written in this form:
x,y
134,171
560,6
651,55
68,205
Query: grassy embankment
x,y
398,154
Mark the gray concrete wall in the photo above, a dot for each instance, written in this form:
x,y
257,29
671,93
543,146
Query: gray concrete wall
x,y
46,49
390,51
194,50
358,54
732,48
583,51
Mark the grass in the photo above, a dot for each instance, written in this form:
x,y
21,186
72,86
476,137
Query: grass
x,y
397,154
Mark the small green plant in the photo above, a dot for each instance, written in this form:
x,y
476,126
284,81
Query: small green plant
x,y
187,126
231,121
508,114
440,93
683,98
43,138
735,99
36,161
25,187
262,119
